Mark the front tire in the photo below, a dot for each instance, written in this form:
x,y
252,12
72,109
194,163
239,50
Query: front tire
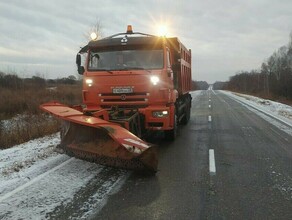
x,y
170,135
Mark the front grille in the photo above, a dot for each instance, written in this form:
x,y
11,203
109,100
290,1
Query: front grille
x,y
155,124
129,106
124,99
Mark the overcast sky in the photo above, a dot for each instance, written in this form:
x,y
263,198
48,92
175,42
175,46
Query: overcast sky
x,y
226,36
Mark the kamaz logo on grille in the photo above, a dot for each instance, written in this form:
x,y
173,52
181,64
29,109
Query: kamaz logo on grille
x,y
123,97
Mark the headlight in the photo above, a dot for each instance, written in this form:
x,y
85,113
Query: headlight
x,y
159,114
89,82
154,80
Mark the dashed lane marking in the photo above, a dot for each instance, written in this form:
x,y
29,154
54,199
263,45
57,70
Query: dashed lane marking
x,y
212,166
209,118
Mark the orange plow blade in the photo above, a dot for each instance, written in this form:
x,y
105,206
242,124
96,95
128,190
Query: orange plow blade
x,y
96,140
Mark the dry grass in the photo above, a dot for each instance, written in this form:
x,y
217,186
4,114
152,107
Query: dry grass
x,y
26,128
25,101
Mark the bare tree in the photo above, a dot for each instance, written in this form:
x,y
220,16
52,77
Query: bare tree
x,y
95,28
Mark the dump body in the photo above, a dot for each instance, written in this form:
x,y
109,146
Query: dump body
x,y
184,71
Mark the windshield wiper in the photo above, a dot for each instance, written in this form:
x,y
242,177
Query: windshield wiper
x,y
105,70
134,68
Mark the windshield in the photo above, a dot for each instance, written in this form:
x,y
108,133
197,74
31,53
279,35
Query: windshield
x,y
126,59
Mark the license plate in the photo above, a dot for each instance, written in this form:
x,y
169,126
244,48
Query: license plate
x,y
123,90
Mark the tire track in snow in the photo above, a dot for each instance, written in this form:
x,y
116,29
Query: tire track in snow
x,y
73,188
92,197
34,180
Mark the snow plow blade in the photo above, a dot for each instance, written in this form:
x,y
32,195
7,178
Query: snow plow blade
x,y
103,142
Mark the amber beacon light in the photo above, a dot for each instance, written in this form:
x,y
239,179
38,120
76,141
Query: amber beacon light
x,y
129,29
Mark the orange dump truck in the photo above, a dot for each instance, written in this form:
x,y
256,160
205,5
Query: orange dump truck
x,y
133,84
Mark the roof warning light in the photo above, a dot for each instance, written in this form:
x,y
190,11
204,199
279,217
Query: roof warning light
x,y
129,29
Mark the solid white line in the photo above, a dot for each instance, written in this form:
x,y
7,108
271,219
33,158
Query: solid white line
x,y
212,167
209,118
22,187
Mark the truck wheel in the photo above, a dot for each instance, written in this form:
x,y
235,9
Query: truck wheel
x,y
187,115
170,135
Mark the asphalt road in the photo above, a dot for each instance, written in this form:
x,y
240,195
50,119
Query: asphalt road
x,y
253,178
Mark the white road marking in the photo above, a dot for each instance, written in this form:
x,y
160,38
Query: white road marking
x,y
209,100
209,118
209,106
22,187
212,167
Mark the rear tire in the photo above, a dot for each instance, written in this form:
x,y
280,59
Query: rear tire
x,y
187,113
170,135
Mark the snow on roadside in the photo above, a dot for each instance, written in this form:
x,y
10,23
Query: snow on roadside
x,y
27,153
278,110
23,162
35,181
57,189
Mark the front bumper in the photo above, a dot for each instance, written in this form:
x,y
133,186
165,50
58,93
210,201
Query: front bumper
x,y
153,122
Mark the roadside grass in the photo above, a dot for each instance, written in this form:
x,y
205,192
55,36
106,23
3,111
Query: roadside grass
x,y
27,100
20,117
25,128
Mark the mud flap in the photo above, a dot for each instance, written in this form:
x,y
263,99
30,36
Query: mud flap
x,y
100,141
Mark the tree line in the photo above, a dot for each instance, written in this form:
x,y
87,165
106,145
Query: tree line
x,y
273,79
199,85
13,81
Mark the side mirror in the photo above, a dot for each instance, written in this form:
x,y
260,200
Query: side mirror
x,y
78,60
80,68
